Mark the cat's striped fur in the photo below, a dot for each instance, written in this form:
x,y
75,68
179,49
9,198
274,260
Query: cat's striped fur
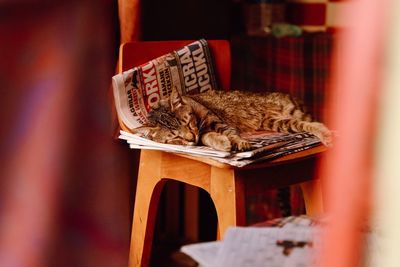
x,y
216,118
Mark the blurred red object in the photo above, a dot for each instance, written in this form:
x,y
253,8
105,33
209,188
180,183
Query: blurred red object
x,y
348,167
64,200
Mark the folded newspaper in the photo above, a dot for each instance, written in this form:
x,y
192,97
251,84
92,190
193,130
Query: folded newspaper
x,y
190,70
296,244
295,241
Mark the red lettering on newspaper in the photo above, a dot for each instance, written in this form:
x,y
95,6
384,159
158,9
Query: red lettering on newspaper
x,y
134,106
151,87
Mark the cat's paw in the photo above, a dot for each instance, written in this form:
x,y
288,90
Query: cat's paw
x,y
322,132
181,142
217,141
222,143
326,137
239,144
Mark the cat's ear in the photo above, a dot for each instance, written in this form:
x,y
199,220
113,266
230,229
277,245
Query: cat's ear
x,y
145,131
175,99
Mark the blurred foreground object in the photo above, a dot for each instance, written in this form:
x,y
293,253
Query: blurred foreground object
x,y
349,166
63,197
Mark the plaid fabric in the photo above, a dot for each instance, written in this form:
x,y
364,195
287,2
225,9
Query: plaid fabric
x,y
263,204
289,66
295,65
317,54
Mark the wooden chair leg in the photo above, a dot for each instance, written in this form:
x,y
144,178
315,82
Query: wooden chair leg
x,y
312,194
149,187
227,193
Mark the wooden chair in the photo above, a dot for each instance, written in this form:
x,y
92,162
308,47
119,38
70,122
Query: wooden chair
x,y
224,183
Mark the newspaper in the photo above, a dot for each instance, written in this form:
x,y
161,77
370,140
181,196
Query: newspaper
x,y
293,245
137,90
294,241
267,146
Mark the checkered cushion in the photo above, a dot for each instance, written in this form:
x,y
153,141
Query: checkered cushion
x,y
295,65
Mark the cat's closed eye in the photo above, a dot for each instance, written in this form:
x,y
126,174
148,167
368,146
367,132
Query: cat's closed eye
x,y
185,119
170,135
193,124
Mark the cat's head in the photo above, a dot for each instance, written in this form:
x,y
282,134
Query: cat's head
x,y
172,122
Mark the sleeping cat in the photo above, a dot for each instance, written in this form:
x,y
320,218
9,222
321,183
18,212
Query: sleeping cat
x,y
216,119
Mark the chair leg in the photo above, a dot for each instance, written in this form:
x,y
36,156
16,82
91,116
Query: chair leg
x,y
312,194
149,187
227,193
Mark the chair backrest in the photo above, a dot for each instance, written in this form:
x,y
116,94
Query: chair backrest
x,y
136,53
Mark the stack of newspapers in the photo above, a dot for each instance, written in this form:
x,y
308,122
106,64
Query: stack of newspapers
x,y
266,146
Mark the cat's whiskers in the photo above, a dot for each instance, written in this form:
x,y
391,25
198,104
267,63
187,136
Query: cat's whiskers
x,y
202,124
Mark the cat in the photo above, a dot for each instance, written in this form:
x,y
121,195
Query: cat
x,y
216,119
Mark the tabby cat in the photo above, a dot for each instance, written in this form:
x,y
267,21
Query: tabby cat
x,y
216,119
